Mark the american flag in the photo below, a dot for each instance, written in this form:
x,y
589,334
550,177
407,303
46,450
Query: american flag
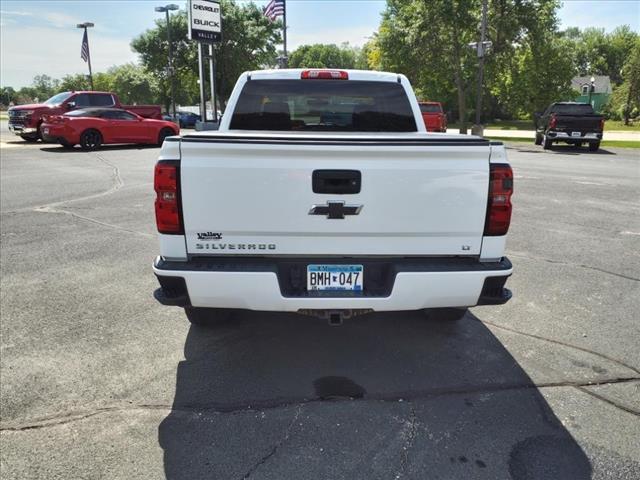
x,y
274,10
84,51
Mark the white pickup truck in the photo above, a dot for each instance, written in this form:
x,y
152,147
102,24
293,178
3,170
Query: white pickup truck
x,y
322,193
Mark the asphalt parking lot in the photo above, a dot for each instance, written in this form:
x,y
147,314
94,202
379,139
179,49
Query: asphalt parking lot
x,y
99,381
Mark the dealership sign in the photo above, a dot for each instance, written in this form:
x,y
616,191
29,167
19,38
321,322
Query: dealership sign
x,y
205,24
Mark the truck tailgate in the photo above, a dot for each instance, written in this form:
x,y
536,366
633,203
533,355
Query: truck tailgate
x,y
581,123
252,194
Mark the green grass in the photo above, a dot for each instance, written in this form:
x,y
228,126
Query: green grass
x,y
618,125
604,143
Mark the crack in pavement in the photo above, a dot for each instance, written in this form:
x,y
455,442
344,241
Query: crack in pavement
x,y
277,445
117,184
257,405
560,262
609,401
560,342
411,433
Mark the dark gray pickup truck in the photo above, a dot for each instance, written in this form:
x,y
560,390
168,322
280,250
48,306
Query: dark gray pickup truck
x,y
569,122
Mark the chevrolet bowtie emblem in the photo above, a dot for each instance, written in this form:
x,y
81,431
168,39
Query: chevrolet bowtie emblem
x,y
335,210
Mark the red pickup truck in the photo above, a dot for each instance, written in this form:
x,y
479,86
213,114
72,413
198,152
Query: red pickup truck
x,y
25,120
434,118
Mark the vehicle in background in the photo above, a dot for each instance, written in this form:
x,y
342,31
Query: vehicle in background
x,y
435,120
322,193
93,127
570,122
184,119
26,120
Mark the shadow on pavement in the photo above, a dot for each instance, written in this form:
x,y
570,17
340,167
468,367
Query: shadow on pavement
x,y
408,394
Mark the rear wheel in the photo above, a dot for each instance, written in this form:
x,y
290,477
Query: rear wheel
x,y
546,143
446,314
29,138
91,139
207,317
164,133
593,147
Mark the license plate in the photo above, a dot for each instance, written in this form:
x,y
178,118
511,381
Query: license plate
x,y
335,277
575,134
46,131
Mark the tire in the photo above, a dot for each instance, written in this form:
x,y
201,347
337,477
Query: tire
x,y
546,143
594,146
164,133
207,317
538,140
29,138
446,314
91,139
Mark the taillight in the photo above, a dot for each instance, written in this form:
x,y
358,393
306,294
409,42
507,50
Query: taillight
x,y
499,203
602,124
324,75
553,122
166,181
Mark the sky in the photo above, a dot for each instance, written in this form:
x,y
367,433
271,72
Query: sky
x,y
38,36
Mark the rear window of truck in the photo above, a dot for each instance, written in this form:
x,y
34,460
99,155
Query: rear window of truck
x,y
577,109
323,105
430,108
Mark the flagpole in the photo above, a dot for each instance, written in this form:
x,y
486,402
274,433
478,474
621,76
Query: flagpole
x,y
284,20
89,60
84,26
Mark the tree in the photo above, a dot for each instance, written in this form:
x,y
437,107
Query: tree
x,y
77,81
599,53
428,41
7,95
323,56
631,75
133,84
249,40
44,87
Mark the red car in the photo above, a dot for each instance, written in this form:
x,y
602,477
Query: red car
x,y
93,127
26,120
434,118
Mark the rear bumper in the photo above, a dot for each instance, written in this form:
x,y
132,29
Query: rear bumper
x,y
280,284
567,137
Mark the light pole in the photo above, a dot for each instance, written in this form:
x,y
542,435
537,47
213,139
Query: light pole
x,y
592,88
166,9
84,52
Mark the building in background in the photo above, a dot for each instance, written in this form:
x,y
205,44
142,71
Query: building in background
x,y
600,94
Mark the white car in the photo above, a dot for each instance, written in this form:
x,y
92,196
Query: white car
x,y
322,193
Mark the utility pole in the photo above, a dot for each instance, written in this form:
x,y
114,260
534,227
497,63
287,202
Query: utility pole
x,y
481,52
84,52
166,9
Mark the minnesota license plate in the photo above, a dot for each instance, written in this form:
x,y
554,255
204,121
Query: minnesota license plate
x,y
335,277
575,134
